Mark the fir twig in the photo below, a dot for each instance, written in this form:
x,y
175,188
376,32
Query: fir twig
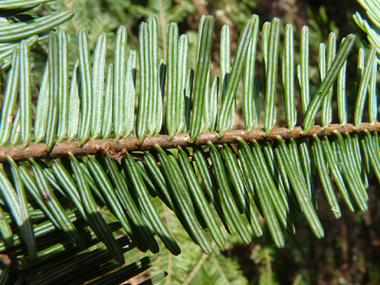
x,y
119,148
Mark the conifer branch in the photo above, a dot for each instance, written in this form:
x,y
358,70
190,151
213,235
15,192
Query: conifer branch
x,y
119,148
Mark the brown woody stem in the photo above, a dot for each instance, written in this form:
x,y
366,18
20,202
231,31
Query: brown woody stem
x,y
116,149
